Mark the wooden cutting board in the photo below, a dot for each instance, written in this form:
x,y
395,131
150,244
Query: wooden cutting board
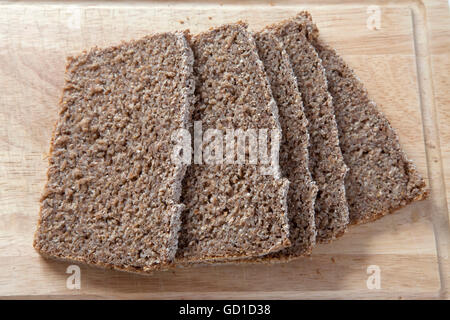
x,y
387,45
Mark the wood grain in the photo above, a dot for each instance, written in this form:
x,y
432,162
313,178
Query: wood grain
x,y
34,42
437,16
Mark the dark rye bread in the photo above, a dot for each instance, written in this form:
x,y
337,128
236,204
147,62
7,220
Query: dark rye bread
x,y
232,211
294,145
112,195
325,158
381,179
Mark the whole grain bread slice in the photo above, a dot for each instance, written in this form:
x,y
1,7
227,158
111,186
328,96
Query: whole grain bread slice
x,y
294,157
325,158
233,211
381,178
112,194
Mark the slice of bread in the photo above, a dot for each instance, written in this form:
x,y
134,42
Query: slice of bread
x,y
294,145
381,179
325,158
233,210
112,195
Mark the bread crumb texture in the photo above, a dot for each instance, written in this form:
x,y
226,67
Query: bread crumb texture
x,y
112,195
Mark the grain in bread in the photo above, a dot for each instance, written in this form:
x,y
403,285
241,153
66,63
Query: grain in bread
x,y
232,211
294,145
112,195
381,179
325,158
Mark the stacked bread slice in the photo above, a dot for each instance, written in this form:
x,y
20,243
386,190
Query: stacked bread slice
x,y
294,156
326,161
112,198
233,211
381,179
116,196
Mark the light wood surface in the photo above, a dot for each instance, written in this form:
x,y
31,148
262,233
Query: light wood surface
x,y
405,65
